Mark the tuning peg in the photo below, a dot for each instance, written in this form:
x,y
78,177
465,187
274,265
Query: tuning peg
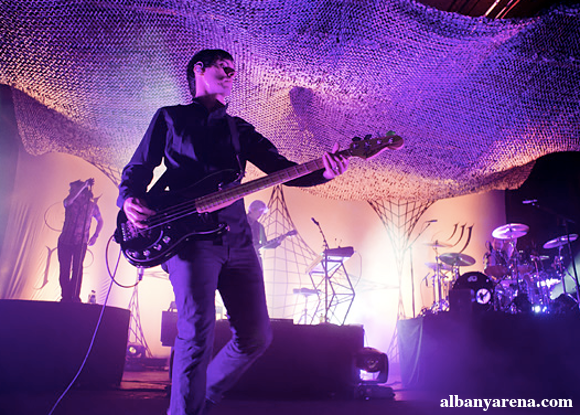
x,y
355,139
367,137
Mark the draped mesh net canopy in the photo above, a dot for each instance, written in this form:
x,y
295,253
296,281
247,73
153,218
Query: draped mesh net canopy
x,y
476,100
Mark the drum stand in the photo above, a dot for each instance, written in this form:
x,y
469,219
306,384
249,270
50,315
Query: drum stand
x,y
454,261
439,303
539,284
525,299
521,300
560,270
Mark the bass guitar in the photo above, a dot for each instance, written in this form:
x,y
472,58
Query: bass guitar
x,y
185,215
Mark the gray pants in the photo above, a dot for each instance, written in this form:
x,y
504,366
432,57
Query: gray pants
x,y
196,272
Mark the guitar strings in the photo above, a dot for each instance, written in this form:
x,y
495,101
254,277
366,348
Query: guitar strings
x,y
187,208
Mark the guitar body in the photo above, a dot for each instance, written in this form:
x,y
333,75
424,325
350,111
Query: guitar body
x,y
176,222
153,246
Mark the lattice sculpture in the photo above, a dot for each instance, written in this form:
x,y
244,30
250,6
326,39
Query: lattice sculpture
x,y
293,290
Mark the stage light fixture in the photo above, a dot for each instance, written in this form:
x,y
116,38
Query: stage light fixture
x,y
373,368
373,364
135,351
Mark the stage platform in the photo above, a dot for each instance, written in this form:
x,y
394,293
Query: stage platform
x,y
305,372
492,354
43,343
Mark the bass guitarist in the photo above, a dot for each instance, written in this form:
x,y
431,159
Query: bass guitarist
x,y
195,142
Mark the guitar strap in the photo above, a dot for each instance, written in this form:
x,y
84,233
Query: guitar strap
x,y
235,135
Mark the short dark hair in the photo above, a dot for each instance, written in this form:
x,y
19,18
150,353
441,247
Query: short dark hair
x,y
207,57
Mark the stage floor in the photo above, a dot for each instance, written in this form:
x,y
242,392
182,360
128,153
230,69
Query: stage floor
x,y
146,393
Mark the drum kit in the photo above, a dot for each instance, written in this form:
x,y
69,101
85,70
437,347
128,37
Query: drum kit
x,y
511,282
523,283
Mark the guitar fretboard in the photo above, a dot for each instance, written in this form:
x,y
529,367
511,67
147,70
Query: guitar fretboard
x,y
223,198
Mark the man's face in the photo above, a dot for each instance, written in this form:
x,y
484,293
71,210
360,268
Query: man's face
x,y
217,79
256,213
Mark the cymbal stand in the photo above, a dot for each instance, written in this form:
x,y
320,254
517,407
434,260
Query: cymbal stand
x,y
559,267
521,298
543,289
439,304
573,261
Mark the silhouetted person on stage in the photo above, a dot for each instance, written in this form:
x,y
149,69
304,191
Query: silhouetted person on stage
x,y
80,209
195,142
256,210
259,239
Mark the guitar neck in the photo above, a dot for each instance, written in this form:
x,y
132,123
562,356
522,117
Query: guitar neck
x,y
366,148
277,239
224,198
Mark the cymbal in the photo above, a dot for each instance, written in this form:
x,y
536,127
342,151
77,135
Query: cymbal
x,y
457,260
560,241
437,244
510,231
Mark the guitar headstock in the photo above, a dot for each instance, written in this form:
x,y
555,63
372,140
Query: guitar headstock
x,y
367,148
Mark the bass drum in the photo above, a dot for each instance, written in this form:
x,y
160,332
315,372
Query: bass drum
x,y
482,288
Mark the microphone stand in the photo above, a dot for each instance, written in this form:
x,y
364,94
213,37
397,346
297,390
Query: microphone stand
x,y
325,242
566,221
326,276
77,277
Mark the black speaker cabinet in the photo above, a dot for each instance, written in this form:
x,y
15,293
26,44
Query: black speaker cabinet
x,y
42,345
302,361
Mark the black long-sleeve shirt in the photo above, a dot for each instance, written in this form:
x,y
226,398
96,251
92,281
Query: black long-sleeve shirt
x,y
195,143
